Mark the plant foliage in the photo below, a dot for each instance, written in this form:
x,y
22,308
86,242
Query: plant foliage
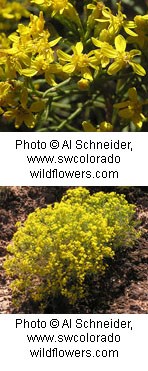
x,y
59,247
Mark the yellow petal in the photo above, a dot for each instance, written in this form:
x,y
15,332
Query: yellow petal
x,y
10,114
24,97
54,42
132,93
18,122
79,47
107,12
126,113
138,69
13,37
29,120
130,24
69,68
87,74
63,56
134,52
137,122
106,126
120,43
87,126
50,79
109,52
122,104
38,2
29,72
54,68
114,68
37,106
97,42
130,32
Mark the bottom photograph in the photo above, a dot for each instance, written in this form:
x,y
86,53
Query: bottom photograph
x,y
73,250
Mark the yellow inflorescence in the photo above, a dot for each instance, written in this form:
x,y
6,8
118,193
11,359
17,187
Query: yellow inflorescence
x,y
57,248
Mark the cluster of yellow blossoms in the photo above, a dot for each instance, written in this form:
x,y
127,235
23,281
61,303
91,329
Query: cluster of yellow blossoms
x,y
11,11
58,247
98,47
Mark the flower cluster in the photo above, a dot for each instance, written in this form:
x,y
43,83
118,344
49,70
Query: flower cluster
x,y
11,11
58,247
30,54
69,54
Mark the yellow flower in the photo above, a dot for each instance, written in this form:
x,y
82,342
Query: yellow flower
x,y
116,22
41,65
22,113
78,62
132,108
10,65
141,32
4,41
60,7
57,6
13,10
122,58
88,126
97,10
5,89
99,54
31,52
103,127
83,84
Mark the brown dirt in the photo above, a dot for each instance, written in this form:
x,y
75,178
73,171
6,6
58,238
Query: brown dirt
x,y
124,289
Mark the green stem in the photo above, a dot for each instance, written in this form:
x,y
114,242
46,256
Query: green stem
x,y
59,86
37,93
40,81
71,128
61,105
70,118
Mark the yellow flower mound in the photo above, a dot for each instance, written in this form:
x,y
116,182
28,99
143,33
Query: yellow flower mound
x,y
58,247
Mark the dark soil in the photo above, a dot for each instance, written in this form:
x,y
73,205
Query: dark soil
x,y
123,289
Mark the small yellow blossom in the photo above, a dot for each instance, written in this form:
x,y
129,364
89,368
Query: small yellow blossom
x,y
116,22
122,57
60,7
22,113
83,84
57,6
102,59
132,109
31,52
97,12
104,126
5,91
40,65
88,126
141,31
12,10
78,63
4,41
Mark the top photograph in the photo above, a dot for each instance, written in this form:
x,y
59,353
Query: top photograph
x,y
73,66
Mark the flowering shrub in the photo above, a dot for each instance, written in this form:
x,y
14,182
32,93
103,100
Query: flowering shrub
x,y
73,66
57,248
